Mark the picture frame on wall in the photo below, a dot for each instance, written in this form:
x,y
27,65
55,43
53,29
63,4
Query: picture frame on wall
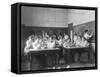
x,y
53,38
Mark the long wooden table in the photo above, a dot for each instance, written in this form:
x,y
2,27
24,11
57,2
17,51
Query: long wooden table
x,y
45,57
51,57
73,54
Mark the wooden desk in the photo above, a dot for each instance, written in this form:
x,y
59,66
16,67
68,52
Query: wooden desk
x,y
45,57
69,54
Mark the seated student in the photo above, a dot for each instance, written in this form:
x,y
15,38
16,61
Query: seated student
x,y
66,36
78,41
37,43
75,39
84,43
44,43
51,43
28,45
60,40
66,43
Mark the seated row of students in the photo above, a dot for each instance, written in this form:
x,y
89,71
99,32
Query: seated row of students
x,y
47,42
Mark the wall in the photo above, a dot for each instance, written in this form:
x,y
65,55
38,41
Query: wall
x,y
85,26
55,17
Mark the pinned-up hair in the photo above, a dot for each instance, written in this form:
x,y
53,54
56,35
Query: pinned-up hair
x,y
86,30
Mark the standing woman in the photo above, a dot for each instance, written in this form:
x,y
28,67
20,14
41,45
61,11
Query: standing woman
x,y
86,35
